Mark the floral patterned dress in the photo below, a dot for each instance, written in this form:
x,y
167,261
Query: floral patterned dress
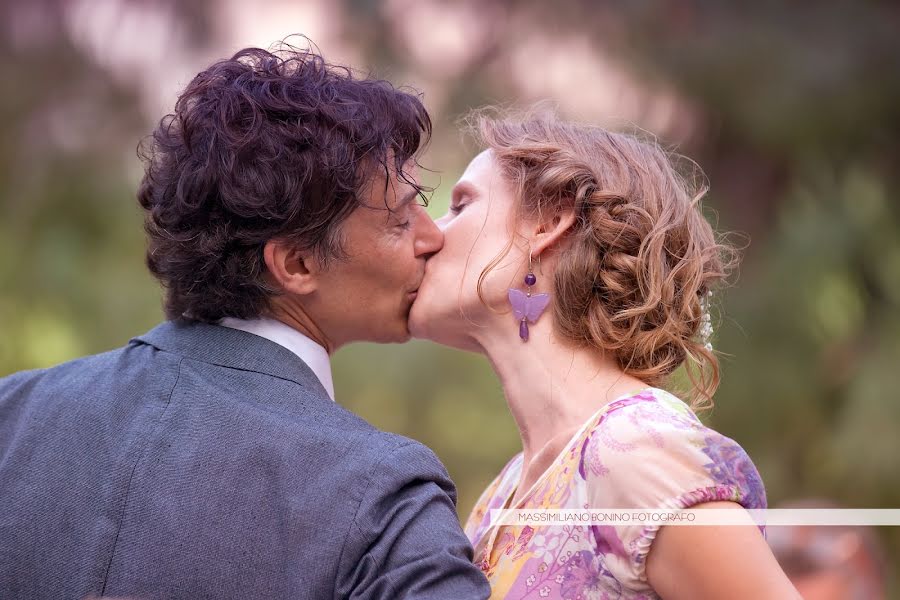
x,y
646,450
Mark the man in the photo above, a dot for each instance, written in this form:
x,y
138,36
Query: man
x,y
207,458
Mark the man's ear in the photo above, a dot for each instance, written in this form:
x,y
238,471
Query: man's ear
x,y
293,270
549,228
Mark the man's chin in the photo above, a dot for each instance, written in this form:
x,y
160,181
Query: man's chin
x,y
402,338
399,332
399,336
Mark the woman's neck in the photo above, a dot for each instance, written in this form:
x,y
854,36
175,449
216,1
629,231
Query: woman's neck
x,y
552,387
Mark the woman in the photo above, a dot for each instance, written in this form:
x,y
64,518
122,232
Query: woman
x,y
578,262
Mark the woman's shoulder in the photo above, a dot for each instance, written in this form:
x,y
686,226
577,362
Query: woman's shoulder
x,y
651,418
652,452
651,449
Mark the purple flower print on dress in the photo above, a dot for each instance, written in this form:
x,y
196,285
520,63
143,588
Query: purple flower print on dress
x,y
522,543
588,457
587,578
607,541
730,465
599,469
584,446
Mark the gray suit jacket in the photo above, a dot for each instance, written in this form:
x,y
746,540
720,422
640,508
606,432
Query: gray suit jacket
x,y
201,461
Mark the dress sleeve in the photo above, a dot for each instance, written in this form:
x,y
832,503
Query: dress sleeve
x,y
658,455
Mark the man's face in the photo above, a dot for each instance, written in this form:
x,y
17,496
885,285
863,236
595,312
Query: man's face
x,y
368,295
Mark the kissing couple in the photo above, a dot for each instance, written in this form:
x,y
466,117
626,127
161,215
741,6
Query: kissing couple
x,y
208,458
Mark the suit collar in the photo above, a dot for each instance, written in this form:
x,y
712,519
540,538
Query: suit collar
x,y
313,354
227,347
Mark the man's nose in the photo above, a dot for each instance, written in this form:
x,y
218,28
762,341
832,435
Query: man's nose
x,y
431,237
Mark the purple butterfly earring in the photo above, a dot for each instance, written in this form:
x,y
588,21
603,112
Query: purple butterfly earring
x,y
527,307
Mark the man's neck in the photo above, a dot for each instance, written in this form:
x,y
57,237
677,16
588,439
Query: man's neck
x,y
293,315
307,349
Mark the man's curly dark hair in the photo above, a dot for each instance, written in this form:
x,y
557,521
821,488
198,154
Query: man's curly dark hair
x,y
264,145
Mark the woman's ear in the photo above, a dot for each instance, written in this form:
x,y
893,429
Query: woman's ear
x,y
291,269
551,227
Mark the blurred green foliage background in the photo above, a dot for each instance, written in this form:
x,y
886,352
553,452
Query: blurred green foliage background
x,y
792,110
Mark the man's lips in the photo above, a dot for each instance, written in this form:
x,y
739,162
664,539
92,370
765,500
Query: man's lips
x,y
415,292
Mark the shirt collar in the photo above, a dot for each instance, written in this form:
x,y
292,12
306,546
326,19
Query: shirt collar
x,y
314,355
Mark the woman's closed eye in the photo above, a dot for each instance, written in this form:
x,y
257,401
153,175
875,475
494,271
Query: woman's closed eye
x,y
461,196
457,207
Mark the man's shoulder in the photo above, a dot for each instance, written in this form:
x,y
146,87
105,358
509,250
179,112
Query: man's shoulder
x,y
403,461
401,447
62,372
382,450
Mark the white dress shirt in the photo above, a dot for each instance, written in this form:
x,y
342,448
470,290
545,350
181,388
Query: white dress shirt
x,y
310,352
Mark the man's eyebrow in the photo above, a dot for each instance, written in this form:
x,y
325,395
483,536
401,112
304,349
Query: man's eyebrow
x,y
408,198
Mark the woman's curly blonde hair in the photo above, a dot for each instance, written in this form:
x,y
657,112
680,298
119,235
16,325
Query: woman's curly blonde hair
x,y
635,278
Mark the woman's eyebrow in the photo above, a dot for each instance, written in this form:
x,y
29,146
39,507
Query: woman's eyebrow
x,y
462,187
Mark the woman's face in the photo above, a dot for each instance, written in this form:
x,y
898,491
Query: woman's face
x,y
477,229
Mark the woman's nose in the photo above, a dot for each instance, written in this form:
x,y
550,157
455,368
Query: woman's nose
x,y
442,223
